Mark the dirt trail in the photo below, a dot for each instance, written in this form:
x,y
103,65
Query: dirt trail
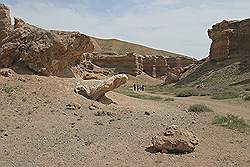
x,y
236,107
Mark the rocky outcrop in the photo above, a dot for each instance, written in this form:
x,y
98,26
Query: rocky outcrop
x,y
176,140
5,22
60,53
43,51
230,40
171,78
96,89
130,63
135,64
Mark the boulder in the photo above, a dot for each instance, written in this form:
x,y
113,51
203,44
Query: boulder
x,y
96,89
175,140
6,72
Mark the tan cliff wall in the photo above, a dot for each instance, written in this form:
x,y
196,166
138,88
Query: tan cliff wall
x,y
5,22
45,52
230,40
134,64
130,63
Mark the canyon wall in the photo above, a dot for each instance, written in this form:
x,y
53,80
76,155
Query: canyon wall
x,y
5,22
130,63
135,64
230,40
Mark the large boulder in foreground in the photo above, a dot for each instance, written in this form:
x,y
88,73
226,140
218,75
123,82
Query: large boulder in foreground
x,y
96,89
175,140
44,52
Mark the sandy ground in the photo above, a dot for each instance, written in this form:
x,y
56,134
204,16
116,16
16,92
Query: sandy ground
x,y
37,129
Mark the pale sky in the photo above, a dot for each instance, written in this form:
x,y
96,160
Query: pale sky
x,y
179,26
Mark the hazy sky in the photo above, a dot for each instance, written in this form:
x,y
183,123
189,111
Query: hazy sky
x,y
174,25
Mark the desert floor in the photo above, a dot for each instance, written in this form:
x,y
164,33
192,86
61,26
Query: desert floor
x,y
37,129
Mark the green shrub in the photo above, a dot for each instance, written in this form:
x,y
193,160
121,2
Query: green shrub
x,y
199,108
246,97
232,122
227,94
187,92
169,99
204,93
8,89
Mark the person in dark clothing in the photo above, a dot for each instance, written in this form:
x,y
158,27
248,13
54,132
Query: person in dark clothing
x,y
134,87
143,87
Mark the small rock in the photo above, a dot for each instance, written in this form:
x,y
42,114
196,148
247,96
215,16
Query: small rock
x,y
93,107
73,106
6,72
146,113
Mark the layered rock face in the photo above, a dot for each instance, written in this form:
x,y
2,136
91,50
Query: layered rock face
x,y
135,64
44,52
5,22
130,63
230,40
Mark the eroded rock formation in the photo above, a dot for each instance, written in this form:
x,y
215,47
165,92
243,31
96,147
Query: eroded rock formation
x,y
135,64
44,52
62,54
230,40
96,89
5,22
175,139
130,63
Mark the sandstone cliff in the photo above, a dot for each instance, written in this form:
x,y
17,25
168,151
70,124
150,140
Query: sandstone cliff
x,y
59,53
135,64
44,52
230,40
5,22
228,63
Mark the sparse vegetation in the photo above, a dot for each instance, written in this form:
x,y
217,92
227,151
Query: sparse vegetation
x,y
227,94
232,122
169,99
246,97
204,93
198,108
8,89
129,92
187,92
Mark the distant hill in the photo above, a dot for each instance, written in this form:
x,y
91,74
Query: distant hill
x,y
114,46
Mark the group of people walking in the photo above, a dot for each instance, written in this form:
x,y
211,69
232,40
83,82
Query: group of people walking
x,y
139,87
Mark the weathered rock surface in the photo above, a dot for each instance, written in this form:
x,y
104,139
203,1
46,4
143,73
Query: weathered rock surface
x,y
6,72
44,52
5,22
130,63
176,140
230,40
135,64
171,78
96,89
62,54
